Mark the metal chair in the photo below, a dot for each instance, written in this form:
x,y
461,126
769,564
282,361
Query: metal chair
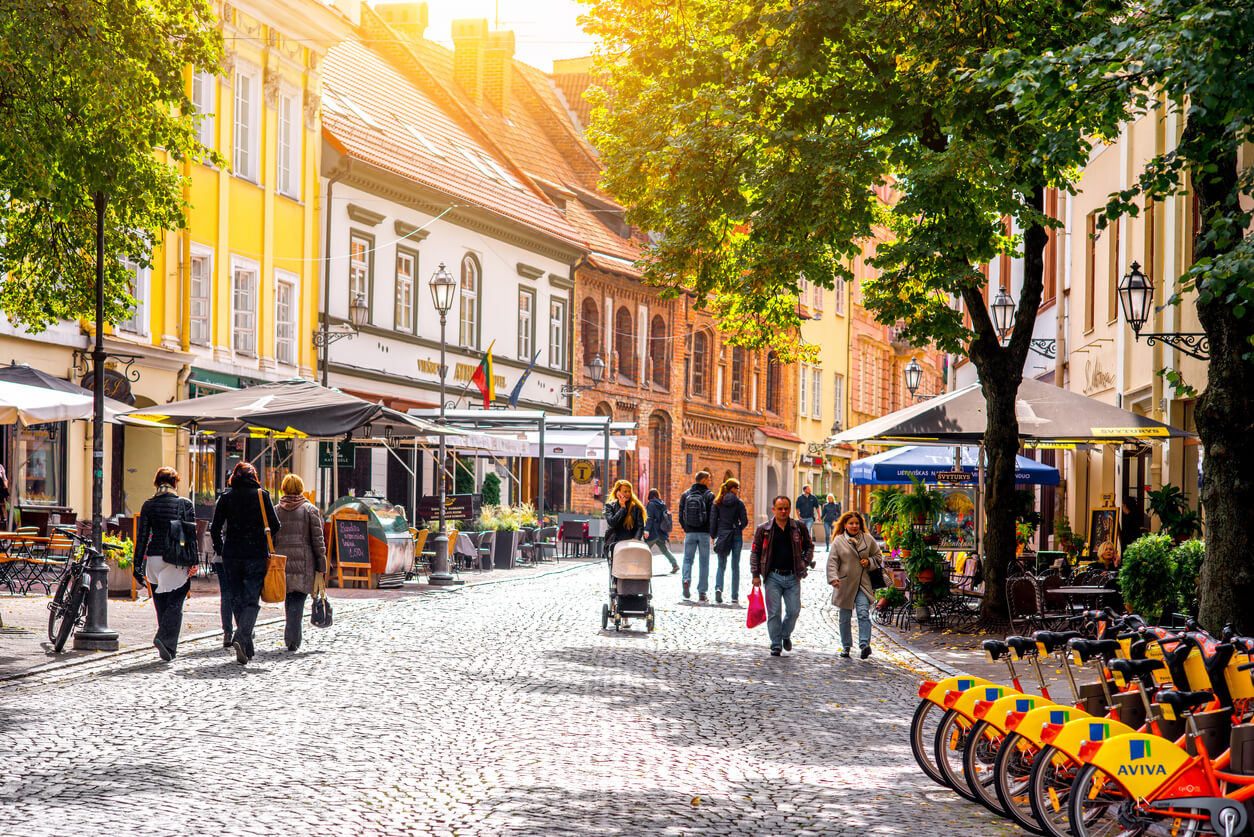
x,y
574,537
483,550
1022,604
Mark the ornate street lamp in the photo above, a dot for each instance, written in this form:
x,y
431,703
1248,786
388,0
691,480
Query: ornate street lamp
x,y
443,288
596,373
358,311
1003,313
914,376
1136,298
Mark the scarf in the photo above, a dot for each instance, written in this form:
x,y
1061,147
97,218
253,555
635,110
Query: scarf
x,y
292,502
164,489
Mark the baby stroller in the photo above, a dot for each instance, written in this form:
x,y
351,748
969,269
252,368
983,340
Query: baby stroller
x,y
631,585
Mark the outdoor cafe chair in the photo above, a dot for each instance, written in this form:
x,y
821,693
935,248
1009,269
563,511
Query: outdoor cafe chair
x,y
1022,604
574,537
483,550
545,543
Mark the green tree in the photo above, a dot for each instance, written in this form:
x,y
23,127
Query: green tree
x,y
1189,58
750,134
92,101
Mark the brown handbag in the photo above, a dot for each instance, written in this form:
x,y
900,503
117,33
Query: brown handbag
x,y
274,589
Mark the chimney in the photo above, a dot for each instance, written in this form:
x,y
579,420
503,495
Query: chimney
x,y
498,68
469,39
409,19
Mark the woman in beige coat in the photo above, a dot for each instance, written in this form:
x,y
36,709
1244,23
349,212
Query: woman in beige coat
x,y
850,558
301,539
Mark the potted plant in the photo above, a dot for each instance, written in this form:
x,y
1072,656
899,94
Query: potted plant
x,y
889,597
1068,541
919,507
1175,518
1147,577
120,562
1023,536
884,505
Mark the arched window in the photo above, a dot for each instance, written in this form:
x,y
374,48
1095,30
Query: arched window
x,y
772,382
657,353
738,375
625,344
468,312
700,364
590,330
660,453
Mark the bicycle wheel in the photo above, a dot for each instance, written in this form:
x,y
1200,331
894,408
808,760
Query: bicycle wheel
x,y
1012,776
73,614
1097,805
56,607
978,759
922,734
950,742
1049,790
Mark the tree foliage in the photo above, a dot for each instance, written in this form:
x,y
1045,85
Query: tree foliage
x,y
92,100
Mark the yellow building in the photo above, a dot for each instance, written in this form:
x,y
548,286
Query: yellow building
x,y
822,403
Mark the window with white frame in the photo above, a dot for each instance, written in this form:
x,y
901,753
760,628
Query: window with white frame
x,y
244,308
801,393
557,333
818,297
816,393
838,304
285,317
468,310
526,322
137,281
289,141
360,266
838,398
204,88
406,268
244,160
201,295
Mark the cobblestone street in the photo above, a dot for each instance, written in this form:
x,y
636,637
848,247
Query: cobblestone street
x,y
501,709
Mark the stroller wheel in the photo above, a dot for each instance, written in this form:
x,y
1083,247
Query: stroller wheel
x,y
648,621
618,624
605,616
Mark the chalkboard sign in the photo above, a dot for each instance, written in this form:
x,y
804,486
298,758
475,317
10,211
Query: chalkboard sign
x,y
352,540
457,507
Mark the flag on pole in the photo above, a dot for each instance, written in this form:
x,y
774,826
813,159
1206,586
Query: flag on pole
x,y
522,379
484,379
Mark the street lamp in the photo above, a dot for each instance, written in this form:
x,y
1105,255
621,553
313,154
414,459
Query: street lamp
x,y
1136,298
596,372
358,313
1003,311
914,375
443,288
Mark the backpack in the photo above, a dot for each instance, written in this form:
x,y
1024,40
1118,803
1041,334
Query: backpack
x,y
694,513
665,524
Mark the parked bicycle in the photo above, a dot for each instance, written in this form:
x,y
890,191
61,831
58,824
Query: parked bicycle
x,y
68,607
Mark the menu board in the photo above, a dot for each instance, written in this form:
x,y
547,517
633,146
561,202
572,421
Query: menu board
x,y
352,540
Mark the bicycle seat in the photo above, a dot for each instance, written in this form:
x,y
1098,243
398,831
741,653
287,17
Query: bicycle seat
x,y
1022,645
1090,648
1053,640
1182,702
1135,668
995,648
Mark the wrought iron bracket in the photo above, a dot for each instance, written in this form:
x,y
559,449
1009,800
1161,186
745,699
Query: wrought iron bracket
x,y
1194,344
82,363
322,339
1044,347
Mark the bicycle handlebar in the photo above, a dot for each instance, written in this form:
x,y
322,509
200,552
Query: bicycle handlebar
x,y
86,542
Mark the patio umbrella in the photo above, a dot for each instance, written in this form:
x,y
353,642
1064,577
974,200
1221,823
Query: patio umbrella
x,y
24,404
1045,413
895,467
295,407
21,373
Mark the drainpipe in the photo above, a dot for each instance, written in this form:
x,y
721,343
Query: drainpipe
x,y
340,174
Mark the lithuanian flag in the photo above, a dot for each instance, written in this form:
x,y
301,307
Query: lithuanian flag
x,y
484,379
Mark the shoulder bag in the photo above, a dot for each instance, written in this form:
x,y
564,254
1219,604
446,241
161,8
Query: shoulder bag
x,y
274,589
876,575
320,608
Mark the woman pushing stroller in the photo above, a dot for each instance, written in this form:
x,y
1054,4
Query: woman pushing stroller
x,y
631,569
624,517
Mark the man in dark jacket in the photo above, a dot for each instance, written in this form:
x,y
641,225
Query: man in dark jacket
x,y
728,519
782,553
807,508
694,517
245,550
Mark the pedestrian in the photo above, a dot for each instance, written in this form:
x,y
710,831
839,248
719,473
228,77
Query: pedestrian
x,y
245,551
694,518
302,540
830,514
624,517
225,611
782,554
728,519
1133,523
169,573
852,556
657,527
807,506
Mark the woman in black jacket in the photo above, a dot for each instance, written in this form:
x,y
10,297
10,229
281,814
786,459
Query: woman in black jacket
x,y
245,551
728,518
624,517
169,574
656,529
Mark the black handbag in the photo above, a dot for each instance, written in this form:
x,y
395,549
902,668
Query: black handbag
x,y
876,577
181,544
320,611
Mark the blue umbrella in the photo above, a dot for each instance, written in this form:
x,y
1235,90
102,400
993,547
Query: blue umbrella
x,y
895,467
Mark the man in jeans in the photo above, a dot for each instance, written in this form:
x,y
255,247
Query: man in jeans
x,y
807,507
782,553
694,517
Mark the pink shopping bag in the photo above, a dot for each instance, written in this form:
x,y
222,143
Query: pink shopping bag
x,y
757,608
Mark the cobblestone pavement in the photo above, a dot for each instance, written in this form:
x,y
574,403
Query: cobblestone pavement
x,y
501,709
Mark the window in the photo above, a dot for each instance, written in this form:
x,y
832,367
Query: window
x,y
1112,274
244,308
468,312
818,297
801,392
700,363
838,301
42,448
590,330
285,318
137,322
360,266
772,382
557,333
1090,269
657,351
838,399
204,85
289,150
526,323
202,289
738,375
625,344
406,268
816,394
244,160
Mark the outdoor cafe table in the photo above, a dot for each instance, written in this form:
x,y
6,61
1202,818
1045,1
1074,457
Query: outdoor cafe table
x,y
1084,595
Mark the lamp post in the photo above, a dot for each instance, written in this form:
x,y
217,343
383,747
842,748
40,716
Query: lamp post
x,y
1003,313
914,375
358,313
596,372
443,289
1136,298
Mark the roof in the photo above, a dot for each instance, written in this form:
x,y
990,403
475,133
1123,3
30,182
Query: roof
x,y
776,433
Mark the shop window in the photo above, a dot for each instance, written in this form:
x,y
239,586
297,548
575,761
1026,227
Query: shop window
x,y
41,447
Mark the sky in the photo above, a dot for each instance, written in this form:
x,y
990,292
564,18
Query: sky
x,y
543,29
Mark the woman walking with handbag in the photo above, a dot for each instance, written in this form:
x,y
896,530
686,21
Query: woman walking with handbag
x,y
248,516
657,527
853,559
303,542
624,517
728,518
166,556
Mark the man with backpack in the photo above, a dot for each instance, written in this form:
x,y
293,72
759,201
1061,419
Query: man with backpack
x,y
657,527
694,517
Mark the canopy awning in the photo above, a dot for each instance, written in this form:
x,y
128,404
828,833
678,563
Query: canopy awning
x,y
895,467
22,404
21,373
576,444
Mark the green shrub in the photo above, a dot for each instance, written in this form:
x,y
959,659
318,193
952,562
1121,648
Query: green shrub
x,y
492,490
463,477
1147,577
1188,560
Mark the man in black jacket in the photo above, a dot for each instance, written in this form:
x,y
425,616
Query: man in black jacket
x,y
807,506
694,517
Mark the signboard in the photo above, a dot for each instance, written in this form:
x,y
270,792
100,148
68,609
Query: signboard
x,y
581,471
346,456
352,540
116,386
953,477
457,507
